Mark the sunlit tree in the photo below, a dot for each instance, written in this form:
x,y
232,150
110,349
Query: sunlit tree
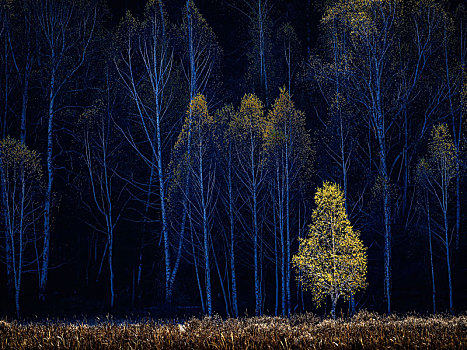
x,y
332,258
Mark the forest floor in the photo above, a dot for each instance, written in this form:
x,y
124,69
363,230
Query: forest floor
x,y
363,331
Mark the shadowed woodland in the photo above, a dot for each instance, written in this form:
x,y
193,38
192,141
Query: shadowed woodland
x,y
181,157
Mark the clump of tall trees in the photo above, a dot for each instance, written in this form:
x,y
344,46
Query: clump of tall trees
x,y
143,155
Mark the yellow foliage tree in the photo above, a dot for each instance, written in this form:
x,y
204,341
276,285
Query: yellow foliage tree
x,y
20,207
287,147
437,172
247,127
196,154
332,259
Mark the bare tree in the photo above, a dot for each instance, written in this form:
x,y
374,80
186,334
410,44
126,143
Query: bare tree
x,y
65,29
102,155
258,13
144,66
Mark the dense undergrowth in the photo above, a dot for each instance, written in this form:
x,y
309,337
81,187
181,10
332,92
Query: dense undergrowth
x,y
363,331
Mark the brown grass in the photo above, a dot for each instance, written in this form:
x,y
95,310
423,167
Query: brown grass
x,y
364,331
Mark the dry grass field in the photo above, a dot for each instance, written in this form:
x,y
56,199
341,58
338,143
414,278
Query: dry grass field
x,y
363,331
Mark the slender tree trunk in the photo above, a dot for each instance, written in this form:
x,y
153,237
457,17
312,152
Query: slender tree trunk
x,y
24,103
255,236
256,257
27,71
381,136
207,264
287,223
387,244
48,193
448,261
463,108
111,268
145,229
406,161
5,92
109,207
232,236
140,267
133,288
8,236
193,75
387,221
195,262
169,278
283,251
455,135
463,54
308,27
289,69
262,51
19,267
170,275
458,196
221,282
21,243
333,308
276,253
431,258
179,253
17,307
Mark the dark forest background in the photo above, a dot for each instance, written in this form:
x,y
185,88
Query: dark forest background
x,y
97,127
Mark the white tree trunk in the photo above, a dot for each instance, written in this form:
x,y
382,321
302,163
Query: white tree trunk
x,y
433,286
232,235
48,192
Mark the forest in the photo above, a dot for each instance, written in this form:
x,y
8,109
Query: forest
x,y
172,157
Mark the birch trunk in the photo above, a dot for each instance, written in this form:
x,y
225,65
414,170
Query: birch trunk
x,y
232,235
433,286
48,192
